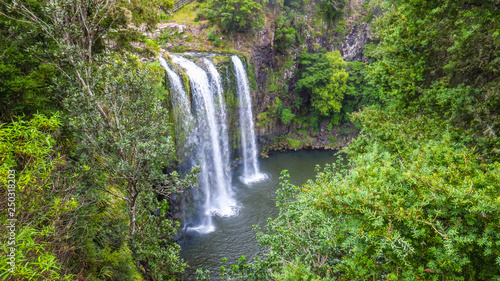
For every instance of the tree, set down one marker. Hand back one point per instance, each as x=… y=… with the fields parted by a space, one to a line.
x=234 y=15
x=323 y=77
x=24 y=80
x=284 y=38
x=120 y=139
x=332 y=9
x=442 y=64
x=131 y=147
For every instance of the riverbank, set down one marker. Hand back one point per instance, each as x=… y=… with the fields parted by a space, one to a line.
x=302 y=137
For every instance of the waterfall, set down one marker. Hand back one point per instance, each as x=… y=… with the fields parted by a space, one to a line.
x=221 y=108
x=201 y=126
x=251 y=170
x=183 y=117
x=210 y=139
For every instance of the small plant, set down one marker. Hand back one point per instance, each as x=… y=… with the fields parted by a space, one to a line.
x=202 y=274
x=179 y=49
x=217 y=42
x=346 y=130
x=336 y=119
x=330 y=127
x=211 y=35
x=294 y=144
x=287 y=115
x=164 y=37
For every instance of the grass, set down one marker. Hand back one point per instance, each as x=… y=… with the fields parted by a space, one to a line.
x=187 y=14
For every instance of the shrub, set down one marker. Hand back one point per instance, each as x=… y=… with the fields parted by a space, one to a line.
x=284 y=38
x=234 y=15
x=323 y=77
x=287 y=115
x=293 y=143
x=211 y=35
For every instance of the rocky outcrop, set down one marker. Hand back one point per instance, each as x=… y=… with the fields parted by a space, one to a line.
x=358 y=34
x=270 y=69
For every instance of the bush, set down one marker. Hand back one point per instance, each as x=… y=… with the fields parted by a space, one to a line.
x=211 y=35
x=284 y=38
x=412 y=204
x=234 y=15
x=287 y=115
x=293 y=143
x=332 y=9
x=323 y=78
x=42 y=210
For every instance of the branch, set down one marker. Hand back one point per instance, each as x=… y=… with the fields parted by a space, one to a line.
x=116 y=195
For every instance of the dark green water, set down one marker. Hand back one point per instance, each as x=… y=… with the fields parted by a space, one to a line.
x=234 y=236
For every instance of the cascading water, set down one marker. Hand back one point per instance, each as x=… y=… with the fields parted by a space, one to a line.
x=211 y=152
x=181 y=107
x=216 y=85
x=251 y=170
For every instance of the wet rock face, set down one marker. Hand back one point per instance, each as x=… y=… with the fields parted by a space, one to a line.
x=263 y=60
x=355 y=41
x=358 y=34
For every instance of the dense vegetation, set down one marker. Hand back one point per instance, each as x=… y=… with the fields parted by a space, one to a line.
x=84 y=125
x=418 y=199
x=87 y=134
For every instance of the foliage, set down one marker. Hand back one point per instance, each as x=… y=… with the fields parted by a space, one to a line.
x=419 y=198
x=42 y=209
x=284 y=38
x=291 y=27
x=332 y=9
x=360 y=93
x=130 y=142
x=443 y=64
x=154 y=245
x=76 y=30
x=294 y=143
x=234 y=15
x=414 y=204
x=202 y=274
x=211 y=35
x=24 y=81
x=287 y=115
x=116 y=135
x=323 y=77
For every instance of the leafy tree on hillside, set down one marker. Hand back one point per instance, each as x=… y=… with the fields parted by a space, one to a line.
x=443 y=63
x=24 y=80
x=323 y=78
x=332 y=9
x=234 y=15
